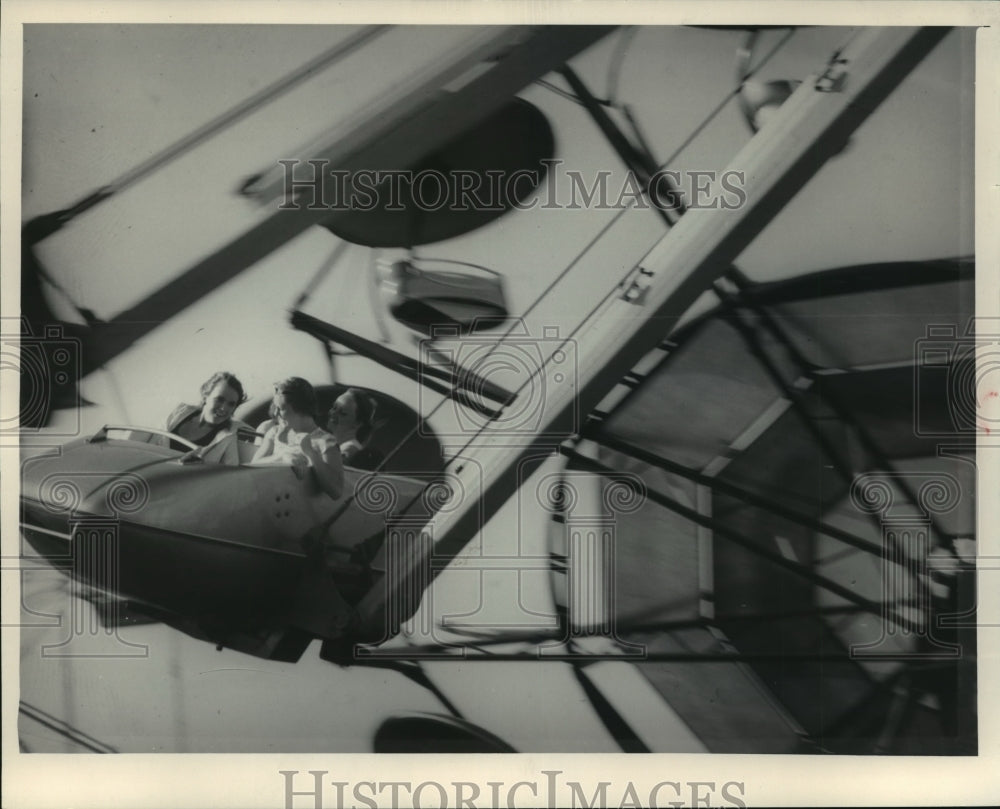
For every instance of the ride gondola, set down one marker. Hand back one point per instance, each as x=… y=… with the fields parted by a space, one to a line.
x=204 y=538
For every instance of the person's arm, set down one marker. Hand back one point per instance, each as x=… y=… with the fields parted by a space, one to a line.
x=266 y=447
x=349 y=450
x=240 y=429
x=328 y=465
x=177 y=415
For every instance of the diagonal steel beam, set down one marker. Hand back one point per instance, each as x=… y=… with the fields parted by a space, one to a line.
x=812 y=126
x=402 y=137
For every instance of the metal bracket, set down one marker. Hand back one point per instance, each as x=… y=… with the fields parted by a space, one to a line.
x=834 y=78
x=637 y=288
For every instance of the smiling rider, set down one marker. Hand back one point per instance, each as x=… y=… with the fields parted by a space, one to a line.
x=221 y=394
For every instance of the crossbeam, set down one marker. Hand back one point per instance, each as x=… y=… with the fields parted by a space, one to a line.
x=812 y=126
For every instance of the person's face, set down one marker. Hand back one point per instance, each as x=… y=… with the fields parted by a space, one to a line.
x=220 y=404
x=343 y=415
x=281 y=409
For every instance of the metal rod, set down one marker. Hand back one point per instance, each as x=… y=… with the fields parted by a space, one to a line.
x=725 y=531
x=640 y=163
x=64 y=729
x=843 y=412
x=613 y=721
x=809 y=128
x=406 y=135
x=228 y=118
x=434 y=654
x=641 y=626
x=738 y=492
x=461 y=380
x=797 y=399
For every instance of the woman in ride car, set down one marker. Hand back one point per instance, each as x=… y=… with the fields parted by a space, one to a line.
x=350 y=421
x=295 y=438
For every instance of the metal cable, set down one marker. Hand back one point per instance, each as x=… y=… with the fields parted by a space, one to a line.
x=563 y=273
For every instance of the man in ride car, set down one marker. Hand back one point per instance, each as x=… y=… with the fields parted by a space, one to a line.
x=221 y=394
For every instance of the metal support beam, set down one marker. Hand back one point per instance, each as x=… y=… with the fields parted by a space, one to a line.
x=875 y=452
x=455 y=383
x=403 y=135
x=637 y=160
x=812 y=126
x=747 y=496
x=726 y=532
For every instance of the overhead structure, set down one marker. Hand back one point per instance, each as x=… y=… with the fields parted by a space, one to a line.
x=638 y=314
x=765 y=618
x=782 y=544
x=470 y=181
x=463 y=88
x=796 y=548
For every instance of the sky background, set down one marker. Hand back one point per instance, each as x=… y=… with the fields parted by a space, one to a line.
x=100 y=99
